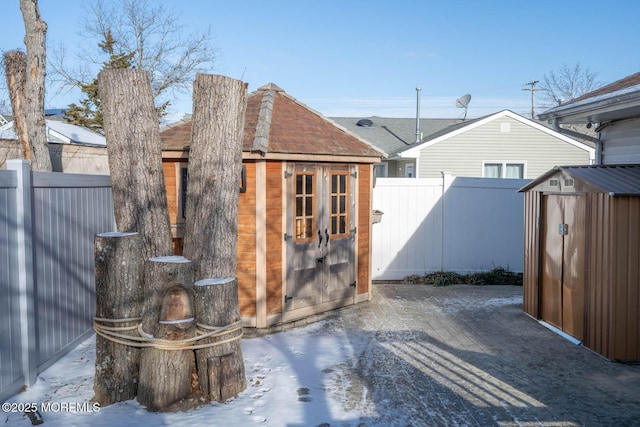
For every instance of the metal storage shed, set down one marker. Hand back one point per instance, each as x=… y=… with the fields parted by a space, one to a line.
x=582 y=255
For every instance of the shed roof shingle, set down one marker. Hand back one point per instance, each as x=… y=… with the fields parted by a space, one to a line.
x=275 y=122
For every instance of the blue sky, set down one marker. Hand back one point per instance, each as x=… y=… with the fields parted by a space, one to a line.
x=364 y=58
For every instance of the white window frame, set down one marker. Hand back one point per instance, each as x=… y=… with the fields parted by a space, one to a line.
x=504 y=164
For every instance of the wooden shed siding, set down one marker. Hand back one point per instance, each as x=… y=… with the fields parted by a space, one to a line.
x=530 y=297
x=246 y=269
x=170 y=182
x=274 y=234
x=463 y=154
x=364 y=228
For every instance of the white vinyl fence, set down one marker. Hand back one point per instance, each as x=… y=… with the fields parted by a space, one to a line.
x=47 y=225
x=450 y=224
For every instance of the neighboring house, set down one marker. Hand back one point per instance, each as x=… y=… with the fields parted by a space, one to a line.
x=305 y=209
x=501 y=145
x=614 y=112
x=393 y=135
x=73 y=149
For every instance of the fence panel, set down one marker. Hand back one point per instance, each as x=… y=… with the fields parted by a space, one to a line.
x=68 y=211
x=47 y=223
x=11 y=372
x=449 y=224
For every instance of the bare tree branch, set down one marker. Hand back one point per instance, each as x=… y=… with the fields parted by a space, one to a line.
x=565 y=84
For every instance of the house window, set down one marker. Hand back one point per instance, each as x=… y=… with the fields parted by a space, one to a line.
x=339 y=213
x=380 y=170
x=305 y=206
x=511 y=170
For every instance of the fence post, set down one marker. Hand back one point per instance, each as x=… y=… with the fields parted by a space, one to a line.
x=26 y=286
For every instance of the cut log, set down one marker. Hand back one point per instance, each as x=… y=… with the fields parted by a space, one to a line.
x=160 y=274
x=211 y=223
x=135 y=158
x=166 y=374
x=119 y=295
x=216 y=304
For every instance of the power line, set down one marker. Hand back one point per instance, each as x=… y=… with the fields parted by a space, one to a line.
x=533 y=90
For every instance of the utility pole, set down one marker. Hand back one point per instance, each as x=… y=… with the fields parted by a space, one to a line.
x=533 y=90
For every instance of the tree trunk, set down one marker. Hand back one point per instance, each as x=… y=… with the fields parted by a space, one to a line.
x=211 y=224
x=35 y=40
x=165 y=375
x=15 y=68
x=135 y=158
x=221 y=367
x=160 y=274
x=215 y=163
x=118 y=276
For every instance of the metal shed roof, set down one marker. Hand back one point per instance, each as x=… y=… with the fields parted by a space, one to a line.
x=617 y=180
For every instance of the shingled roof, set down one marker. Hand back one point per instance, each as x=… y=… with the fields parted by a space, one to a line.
x=275 y=122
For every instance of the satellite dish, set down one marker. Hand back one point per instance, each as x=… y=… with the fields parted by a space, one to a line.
x=463 y=102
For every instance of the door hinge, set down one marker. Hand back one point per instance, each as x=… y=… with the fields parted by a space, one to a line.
x=287 y=298
x=354 y=230
x=287 y=174
x=287 y=237
x=353 y=284
x=354 y=174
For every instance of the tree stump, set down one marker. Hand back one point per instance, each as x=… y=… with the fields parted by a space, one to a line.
x=221 y=367
x=211 y=223
x=160 y=273
x=118 y=277
x=166 y=374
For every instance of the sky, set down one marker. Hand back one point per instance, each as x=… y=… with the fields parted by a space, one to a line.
x=353 y=58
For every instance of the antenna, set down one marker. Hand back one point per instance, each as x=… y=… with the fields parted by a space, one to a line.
x=463 y=102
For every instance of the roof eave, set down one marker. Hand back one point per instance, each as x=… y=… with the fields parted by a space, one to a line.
x=588 y=111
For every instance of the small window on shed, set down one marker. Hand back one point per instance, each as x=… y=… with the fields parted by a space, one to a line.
x=568 y=182
x=554 y=182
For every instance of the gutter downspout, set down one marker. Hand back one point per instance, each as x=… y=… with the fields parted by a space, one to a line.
x=578 y=135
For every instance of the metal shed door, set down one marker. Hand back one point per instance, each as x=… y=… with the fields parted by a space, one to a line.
x=320 y=235
x=562 y=287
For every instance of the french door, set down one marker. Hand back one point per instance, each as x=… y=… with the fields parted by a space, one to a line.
x=320 y=236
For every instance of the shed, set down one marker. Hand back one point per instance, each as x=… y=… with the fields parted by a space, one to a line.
x=582 y=255
x=305 y=214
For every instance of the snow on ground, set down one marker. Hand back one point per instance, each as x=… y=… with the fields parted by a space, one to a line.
x=293 y=380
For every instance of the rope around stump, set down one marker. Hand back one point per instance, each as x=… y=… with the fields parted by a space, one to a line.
x=144 y=340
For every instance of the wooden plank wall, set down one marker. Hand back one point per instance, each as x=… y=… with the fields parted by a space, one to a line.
x=364 y=229
x=246 y=268
x=274 y=234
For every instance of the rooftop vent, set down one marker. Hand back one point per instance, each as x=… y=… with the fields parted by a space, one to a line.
x=365 y=123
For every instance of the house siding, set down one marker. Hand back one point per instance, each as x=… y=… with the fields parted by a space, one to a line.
x=621 y=142
x=463 y=154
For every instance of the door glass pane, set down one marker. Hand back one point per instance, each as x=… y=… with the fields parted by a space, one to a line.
x=514 y=170
x=339 y=199
x=308 y=206
x=304 y=209
x=298 y=206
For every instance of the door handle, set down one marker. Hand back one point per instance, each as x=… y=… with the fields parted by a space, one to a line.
x=319 y=238
x=326 y=233
x=321 y=259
